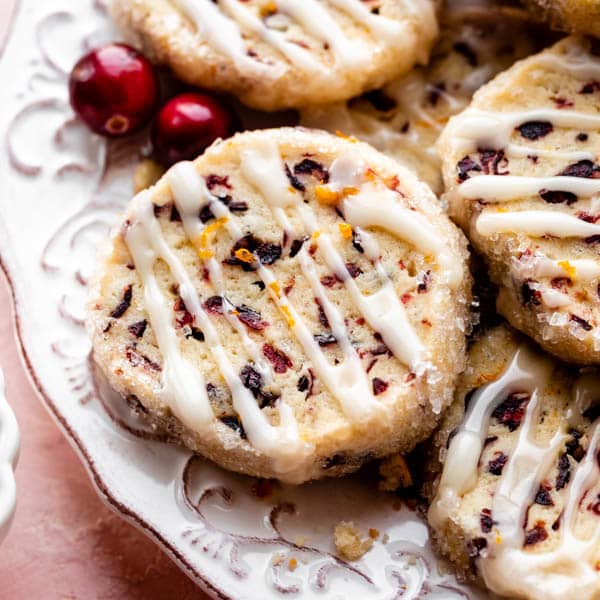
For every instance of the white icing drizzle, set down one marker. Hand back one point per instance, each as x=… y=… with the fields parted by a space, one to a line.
x=224 y=34
x=219 y=32
x=568 y=569
x=536 y=223
x=262 y=165
x=495 y=188
x=183 y=386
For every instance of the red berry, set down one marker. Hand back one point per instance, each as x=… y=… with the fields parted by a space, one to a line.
x=114 y=89
x=189 y=123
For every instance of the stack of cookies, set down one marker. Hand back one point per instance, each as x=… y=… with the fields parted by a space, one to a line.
x=299 y=301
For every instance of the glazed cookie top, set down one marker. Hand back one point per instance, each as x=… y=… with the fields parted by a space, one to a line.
x=308 y=277
x=406 y=116
x=276 y=54
x=520 y=167
x=521 y=476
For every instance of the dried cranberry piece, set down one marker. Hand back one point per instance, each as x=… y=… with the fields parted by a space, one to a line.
x=125 y=303
x=213 y=181
x=214 y=305
x=379 y=386
x=322 y=316
x=294 y=181
x=268 y=253
x=475 y=547
x=356 y=242
x=536 y=535
x=329 y=280
x=585 y=325
x=424 y=281
x=325 y=339
x=297 y=246
x=353 y=269
x=196 y=334
x=590 y=87
x=137 y=359
x=533 y=130
x=529 y=295
x=543 y=496
x=137 y=329
x=485 y=520
x=465 y=166
x=583 y=168
x=312 y=167
x=280 y=361
x=492 y=161
x=558 y=197
x=235 y=424
x=183 y=316
x=303 y=384
x=251 y=318
x=252 y=380
x=574 y=448
x=511 y=412
x=564 y=471
x=496 y=465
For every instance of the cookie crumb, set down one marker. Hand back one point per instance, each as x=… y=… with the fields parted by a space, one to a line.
x=394 y=473
x=292 y=564
x=348 y=541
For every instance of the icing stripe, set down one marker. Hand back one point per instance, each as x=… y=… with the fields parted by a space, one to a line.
x=494 y=188
x=535 y=222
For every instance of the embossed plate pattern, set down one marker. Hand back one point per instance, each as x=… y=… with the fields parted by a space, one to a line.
x=61 y=190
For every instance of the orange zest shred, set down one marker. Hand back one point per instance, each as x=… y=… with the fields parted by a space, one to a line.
x=345 y=230
x=205 y=238
x=316 y=235
x=325 y=195
x=275 y=288
x=288 y=316
x=345 y=136
x=568 y=268
x=244 y=255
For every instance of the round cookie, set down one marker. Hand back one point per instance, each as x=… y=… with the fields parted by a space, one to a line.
x=520 y=167
x=517 y=505
x=576 y=16
x=405 y=117
x=277 y=54
x=290 y=305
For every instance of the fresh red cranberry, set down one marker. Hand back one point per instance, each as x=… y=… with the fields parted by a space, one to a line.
x=114 y=90
x=189 y=123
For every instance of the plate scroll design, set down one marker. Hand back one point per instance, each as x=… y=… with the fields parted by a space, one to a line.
x=60 y=194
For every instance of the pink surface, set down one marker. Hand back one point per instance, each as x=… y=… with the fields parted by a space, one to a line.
x=64 y=543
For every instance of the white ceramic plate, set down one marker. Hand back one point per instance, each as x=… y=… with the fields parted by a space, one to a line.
x=60 y=192
x=9 y=450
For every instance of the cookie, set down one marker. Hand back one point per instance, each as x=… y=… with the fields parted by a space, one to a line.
x=282 y=54
x=404 y=118
x=575 y=16
x=520 y=166
x=290 y=305
x=517 y=505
